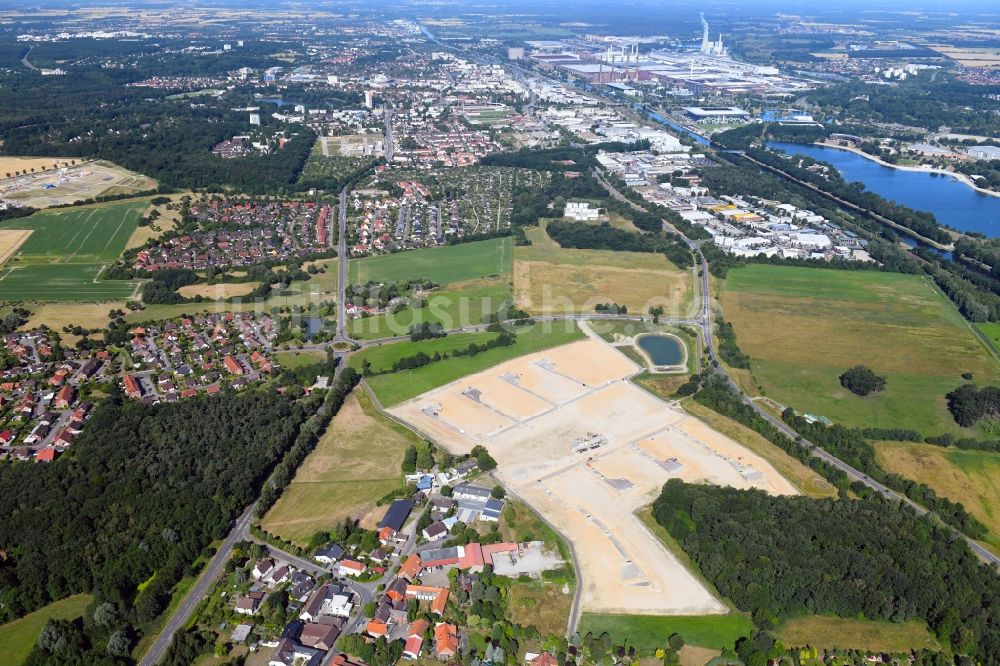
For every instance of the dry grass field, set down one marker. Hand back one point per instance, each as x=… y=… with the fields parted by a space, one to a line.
x=551 y=280
x=857 y=634
x=14 y=164
x=530 y=411
x=356 y=462
x=218 y=291
x=971 y=57
x=969 y=477
x=10 y=240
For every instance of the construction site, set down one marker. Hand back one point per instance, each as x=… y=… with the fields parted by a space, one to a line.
x=71 y=183
x=586 y=448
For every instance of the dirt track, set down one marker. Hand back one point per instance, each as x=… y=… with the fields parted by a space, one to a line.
x=530 y=411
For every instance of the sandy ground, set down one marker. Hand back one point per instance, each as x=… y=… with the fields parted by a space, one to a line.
x=530 y=411
x=70 y=184
x=10 y=240
x=217 y=291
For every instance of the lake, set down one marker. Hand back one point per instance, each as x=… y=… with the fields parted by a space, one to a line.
x=662 y=349
x=951 y=202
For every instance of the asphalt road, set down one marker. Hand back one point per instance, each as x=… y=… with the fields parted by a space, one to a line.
x=200 y=588
x=342 y=261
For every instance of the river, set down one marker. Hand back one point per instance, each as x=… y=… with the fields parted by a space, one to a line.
x=952 y=203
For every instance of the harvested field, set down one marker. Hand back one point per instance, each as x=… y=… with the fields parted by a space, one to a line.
x=218 y=291
x=10 y=240
x=539 y=413
x=12 y=165
x=69 y=184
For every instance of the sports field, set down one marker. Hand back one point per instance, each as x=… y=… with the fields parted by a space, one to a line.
x=459 y=305
x=66 y=251
x=969 y=477
x=18 y=637
x=451 y=263
x=356 y=462
x=803 y=327
x=551 y=280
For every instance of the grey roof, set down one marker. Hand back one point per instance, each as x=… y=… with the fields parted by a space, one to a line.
x=333 y=551
x=469 y=489
x=436 y=554
x=397 y=514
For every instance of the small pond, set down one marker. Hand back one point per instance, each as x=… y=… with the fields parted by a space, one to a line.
x=662 y=349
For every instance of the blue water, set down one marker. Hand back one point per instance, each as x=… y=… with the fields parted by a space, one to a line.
x=952 y=203
x=662 y=349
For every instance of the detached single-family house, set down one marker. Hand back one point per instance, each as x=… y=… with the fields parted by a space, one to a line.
x=351 y=568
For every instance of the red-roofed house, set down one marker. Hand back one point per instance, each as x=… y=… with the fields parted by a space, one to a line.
x=351 y=568
x=415 y=639
x=411 y=568
x=446 y=640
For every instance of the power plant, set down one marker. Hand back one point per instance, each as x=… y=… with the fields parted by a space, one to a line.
x=707 y=46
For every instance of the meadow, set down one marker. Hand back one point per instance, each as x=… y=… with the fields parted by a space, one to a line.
x=67 y=249
x=17 y=638
x=647 y=633
x=458 y=305
x=551 y=280
x=398 y=387
x=969 y=477
x=803 y=327
x=450 y=263
x=382 y=357
x=831 y=632
x=356 y=462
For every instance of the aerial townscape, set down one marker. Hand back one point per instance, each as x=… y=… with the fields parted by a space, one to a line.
x=500 y=333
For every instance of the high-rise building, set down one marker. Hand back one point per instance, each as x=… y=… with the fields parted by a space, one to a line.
x=369 y=99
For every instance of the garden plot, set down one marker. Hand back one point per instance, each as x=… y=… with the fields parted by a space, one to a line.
x=586 y=448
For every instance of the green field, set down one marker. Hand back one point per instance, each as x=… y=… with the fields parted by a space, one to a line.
x=17 y=638
x=803 y=327
x=833 y=632
x=451 y=263
x=382 y=357
x=464 y=304
x=66 y=250
x=356 y=462
x=649 y=632
x=397 y=387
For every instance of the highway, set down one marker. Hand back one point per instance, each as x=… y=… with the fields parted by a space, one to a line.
x=204 y=583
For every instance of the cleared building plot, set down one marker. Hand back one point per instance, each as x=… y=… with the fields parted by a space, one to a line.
x=586 y=448
x=68 y=184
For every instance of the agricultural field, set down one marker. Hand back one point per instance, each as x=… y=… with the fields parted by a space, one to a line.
x=551 y=280
x=835 y=632
x=649 y=632
x=18 y=637
x=803 y=327
x=969 y=477
x=444 y=265
x=394 y=388
x=68 y=183
x=66 y=250
x=460 y=305
x=356 y=462
x=219 y=290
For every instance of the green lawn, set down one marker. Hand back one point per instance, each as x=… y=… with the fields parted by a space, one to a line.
x=649 y=632
x=452 y=263
x=17 y=638
x=397 y=387
x=296 y=359
x=803 y=327
x=66 y=250
x=822 y=631
x=463 y=305
x=383 y=357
